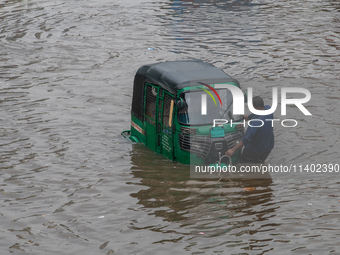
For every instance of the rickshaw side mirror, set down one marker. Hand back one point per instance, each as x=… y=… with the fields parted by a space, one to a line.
x=181 y=105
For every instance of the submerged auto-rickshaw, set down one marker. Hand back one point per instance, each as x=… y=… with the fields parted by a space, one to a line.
x=174 y=105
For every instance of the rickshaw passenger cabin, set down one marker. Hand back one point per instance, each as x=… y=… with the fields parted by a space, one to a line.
x=166 y=111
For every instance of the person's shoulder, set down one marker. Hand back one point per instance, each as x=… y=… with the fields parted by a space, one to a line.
x=267 y=107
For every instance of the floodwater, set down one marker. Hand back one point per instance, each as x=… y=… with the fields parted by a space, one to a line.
x=71 y=184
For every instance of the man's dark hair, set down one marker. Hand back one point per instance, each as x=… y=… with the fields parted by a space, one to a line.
x=258 y=102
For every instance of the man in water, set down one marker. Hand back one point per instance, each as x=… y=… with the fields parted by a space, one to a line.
x=258 y=140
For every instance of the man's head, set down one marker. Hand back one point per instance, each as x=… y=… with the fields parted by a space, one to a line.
x=258 y=103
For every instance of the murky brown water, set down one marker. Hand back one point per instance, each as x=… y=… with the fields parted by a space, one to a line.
x=70 y=184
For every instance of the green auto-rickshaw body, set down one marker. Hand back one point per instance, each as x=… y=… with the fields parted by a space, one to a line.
x=167 y=115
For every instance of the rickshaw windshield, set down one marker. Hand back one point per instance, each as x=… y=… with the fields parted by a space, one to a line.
x=196 y=114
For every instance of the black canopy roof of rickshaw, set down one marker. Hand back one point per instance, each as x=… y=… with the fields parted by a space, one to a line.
x=174 y=76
